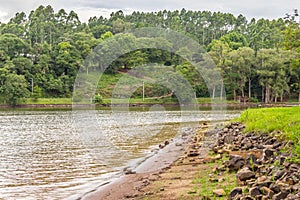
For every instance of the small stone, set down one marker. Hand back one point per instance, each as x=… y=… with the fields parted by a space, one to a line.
x=127 y=196
x=218 y=157
x=237 y=197
x=214 y=180
x=245 y=174
x=261 y=179
x=235 y=192
x=264 y=198
x=250 y=182
x=178 y=144
x=279 y=174
x=128 y=171
x=221 y=180
x=276 y=188
x=221 y=168
x=228 y=139
x=148 y=193
x=193 y=154
x=294 y=167
x=286 y=164
x=266 y=183
x=236 y=162
x=262 y=169
x=280 y=195
x=267 y=192
x=247 y=198
x=219 y=192
x=292 y=197
x=289 y=181
x=282 y=184
x=254 y=191
x=176 y=178
x=277 y=145
x=251 y=159
x=220 y=151
x=296 y=188
x=162 y=189
x=269 y=152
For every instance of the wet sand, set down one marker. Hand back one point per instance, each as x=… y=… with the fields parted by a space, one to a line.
x=130 y=185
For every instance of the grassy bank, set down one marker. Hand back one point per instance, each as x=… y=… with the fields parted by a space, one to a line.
x=282 y=122
x=48 y=101
x=168 y=100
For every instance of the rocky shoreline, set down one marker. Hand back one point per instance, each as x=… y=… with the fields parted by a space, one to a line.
x=262 y=165
x=258 y=167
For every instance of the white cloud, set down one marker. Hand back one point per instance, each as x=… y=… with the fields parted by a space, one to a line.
x=89 y=8
x=85 y=13
x=3 y=16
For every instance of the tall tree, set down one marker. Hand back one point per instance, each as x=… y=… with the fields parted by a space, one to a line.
x=15 y=89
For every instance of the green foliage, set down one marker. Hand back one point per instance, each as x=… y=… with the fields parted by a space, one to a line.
x=258 y=58
x=234 y=40
x=37 y=92
x=98 y=99
x=15 y=89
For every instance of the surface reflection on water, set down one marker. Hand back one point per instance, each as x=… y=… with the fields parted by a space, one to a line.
x=43 y=157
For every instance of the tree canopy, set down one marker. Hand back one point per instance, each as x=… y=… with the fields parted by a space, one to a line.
x=259 y=59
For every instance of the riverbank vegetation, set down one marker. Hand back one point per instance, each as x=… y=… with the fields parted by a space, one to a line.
x=259 y=58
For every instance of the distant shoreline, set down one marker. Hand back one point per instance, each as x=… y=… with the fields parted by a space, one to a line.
x=70 y=106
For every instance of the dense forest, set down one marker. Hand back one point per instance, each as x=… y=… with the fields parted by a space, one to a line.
x=40 y=54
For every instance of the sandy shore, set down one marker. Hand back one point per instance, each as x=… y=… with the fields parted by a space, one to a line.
x=131 y=184
x=216 y=164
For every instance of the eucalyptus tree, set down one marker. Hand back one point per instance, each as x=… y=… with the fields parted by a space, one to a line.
x=219 y=52
x=242 y=63
x=292 y=42
x=272 y=73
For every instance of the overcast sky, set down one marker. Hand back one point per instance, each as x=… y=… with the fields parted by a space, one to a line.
x=88 y=8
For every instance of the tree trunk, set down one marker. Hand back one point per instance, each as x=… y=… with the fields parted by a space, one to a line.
x=262 y=94
x=221 y=92
x=281 y=98
x=243 y=94
x=214 y=90
x=249 y=88
x=267 y=95
x=234 y=94
x=299 y=97
x=275 y=99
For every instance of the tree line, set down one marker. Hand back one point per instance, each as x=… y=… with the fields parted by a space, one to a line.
x=40 y=54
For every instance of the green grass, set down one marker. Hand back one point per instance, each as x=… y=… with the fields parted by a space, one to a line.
x=284 y=123
x=167 y=100
x=141 y=101
x=204 y=187
x=208 y=100
x=49 y=101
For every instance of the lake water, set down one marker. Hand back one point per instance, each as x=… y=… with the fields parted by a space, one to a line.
x=44 y=156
